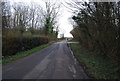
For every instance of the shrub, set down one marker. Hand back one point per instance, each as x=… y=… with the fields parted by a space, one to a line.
x=13 y=45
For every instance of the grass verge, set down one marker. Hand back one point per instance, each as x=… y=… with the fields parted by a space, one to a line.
x=96 y=65
x=24 y=53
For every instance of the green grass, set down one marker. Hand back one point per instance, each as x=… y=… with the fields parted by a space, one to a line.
x=96 y=65
x=23 y=54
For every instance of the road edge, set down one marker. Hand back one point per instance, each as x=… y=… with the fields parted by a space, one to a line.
x=80 y=63
x=14 y=59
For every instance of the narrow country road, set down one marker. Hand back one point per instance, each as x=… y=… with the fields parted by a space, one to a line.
x=53 y=62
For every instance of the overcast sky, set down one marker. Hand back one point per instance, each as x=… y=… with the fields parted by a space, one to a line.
x=64 y=24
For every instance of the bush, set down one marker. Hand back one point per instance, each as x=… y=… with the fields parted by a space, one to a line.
x=13 y=45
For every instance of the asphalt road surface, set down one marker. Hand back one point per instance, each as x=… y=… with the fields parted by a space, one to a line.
x=53 y=62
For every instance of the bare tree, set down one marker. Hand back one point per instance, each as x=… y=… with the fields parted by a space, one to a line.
x=51 y=15
x=98 y=25
x=6 y=14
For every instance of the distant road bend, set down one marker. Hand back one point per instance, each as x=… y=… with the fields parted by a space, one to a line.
x=53 y=62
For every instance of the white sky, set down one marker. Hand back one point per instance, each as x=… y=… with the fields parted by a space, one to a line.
x=64 y=24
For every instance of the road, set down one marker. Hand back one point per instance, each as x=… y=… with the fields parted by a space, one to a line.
x=53 y=62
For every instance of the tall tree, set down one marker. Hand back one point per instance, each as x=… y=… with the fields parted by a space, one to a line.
x=51 y=14
x=98 y=26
